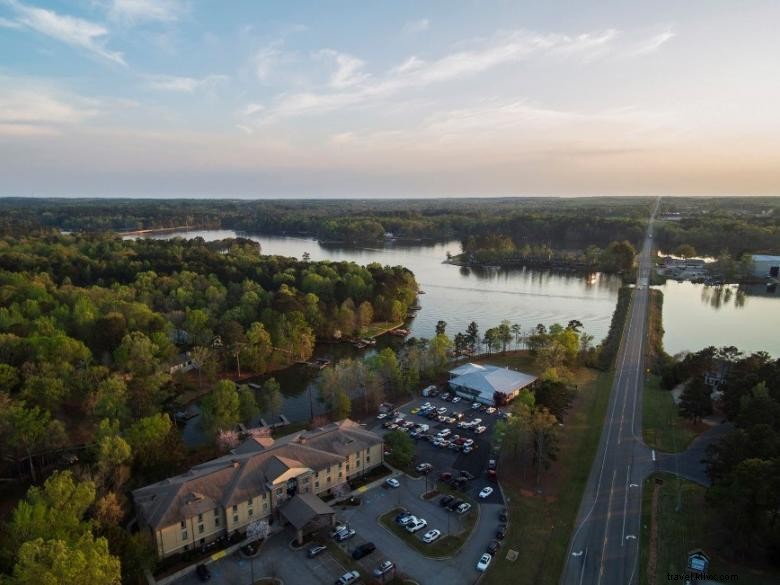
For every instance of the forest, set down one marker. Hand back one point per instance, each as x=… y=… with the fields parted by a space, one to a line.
x=744 y=466
x=91 y=329
x=710 y=225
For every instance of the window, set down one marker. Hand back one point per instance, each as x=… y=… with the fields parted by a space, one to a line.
x=184 y=535
x=183 y=524
x=251 y=512
x=347 y=469
x=341 y=475
x=249 y=502
x=201 y=529
x=265 y=506
x=279 y=491
x=216 y=512
x=235 y=518
x=368 y=459
x=340 y=464
x=216 y=520
x=235 y=509
x=328 y=480
x=316 y=484
x=200 y=517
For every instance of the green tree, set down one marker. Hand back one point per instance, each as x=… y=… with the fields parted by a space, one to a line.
x=401 y=448
x=696 y=400
x=271 y=401
x=685 y=251
x=9 y=378
x=441 y=327
x=87 y=560
x=30 y=429
x=148 y=438
x=221 y=408
x=247 y=404
x=544 y=431
x=110 y=399
x=341 y=405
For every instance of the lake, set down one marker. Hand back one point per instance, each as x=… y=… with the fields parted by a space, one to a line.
x=453 y=294
x=696 y=316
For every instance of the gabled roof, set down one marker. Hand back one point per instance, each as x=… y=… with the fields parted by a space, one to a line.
x=303 y=508
x=487 y=379
x=249 y=472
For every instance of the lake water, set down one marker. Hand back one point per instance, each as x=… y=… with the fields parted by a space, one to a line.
x=453 y=294
x=696 y=316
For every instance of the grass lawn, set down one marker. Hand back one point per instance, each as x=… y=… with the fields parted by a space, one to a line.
x=662 y=426
x=540 y=525
x=682 y=527
x=378 y=328
x=445 y=547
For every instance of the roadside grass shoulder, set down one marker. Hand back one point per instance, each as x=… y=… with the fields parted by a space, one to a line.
x=682 y=526
x=662 y=426
x=540 y=525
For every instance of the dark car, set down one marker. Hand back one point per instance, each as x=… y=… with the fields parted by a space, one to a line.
x=444 y=500
x=493 y=547
x=203 y=573
x=502 y=515
x=363 y=550
x=501 y=532
x=345 y=535
x=401 y=517
x=454 y=504
x=446 y=476
x=466 y=475
x=315 y=550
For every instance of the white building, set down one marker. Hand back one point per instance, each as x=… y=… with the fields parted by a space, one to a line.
x=488 y=384
x=765 y=265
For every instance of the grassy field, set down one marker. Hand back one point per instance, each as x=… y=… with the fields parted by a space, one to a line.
x=662 y=426
x=540 y=525
x=682 y=527
x=444 y=547
x=519 y=360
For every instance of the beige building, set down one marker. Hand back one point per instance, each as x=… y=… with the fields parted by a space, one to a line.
x=254 y=482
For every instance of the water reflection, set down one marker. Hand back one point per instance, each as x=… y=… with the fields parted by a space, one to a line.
x=696 y=316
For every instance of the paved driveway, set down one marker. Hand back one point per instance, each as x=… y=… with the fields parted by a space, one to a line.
x=455 y=571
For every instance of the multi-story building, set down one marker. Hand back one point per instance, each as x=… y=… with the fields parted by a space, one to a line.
x=254 y=482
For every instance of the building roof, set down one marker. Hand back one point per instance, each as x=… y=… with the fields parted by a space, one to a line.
x=487 y=379
x=303 y=508
x=765 y=258
x=250 y=470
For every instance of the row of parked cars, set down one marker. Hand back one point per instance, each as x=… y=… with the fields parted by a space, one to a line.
x=341 y=533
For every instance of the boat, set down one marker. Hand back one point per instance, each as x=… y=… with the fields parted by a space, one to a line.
x=420 y=292
x=415 y=308
x=399 y=332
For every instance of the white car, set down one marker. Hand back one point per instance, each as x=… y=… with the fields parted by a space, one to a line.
x=468 y=442
x=393 y=482
x=426 y=405
x=417 y=525
x=381 y=415
x=483 y=562
x=485 y=492
x=431 y=535
x=424 y=467
x=476 y=406
x=455 y=399
x=444 y=433
x=347 y=578
x=480 y=430
x=490 y=410
x=463 y=508
x=476 y=422
x=466 y=449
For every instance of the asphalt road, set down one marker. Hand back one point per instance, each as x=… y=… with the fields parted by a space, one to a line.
x=604 y=548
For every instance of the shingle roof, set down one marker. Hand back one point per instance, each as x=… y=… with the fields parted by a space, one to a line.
x=303 y=508
x=245 y=473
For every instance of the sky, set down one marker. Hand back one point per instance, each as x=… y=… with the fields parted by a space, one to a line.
x=162 y=98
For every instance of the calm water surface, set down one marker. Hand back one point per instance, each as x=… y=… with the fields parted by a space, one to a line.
x=453 y=294
x=696 y=316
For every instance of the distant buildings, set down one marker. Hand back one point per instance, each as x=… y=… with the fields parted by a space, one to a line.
x=488 y=384
x=261 y=479
x=765 y=265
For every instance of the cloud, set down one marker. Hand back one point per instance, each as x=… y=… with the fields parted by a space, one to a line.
x=183 y=84
x=653 y=43
x=354 y=87
x=265 y=61
x=40 y=110
x=135 y=11
x=5 y=23
x=348 y=69
x=416 y=26
x=70 y=30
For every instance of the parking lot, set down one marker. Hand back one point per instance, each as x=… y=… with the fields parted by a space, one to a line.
x=294 y=568
x=448 y=460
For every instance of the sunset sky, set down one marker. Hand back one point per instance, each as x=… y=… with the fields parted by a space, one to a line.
x=389 y=99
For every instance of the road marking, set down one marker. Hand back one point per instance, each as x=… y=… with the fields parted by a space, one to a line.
x=630 y=536
x=625 y=504
x=653 y=454
x=606 y=525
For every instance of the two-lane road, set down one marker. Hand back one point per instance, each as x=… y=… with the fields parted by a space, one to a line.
x=604 y=548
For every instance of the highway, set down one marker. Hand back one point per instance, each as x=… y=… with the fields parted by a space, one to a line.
x=604 y=547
